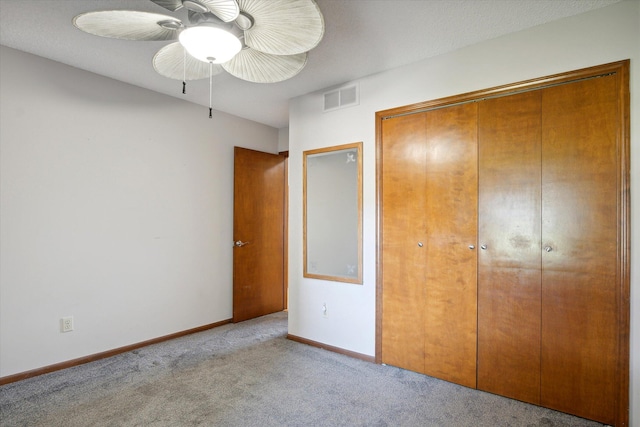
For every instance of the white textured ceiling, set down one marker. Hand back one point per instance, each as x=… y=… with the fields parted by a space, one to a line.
x=362 y=37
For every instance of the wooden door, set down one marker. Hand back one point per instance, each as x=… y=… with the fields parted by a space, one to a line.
x=428 y=221
x=403 y=233
x=509 y=221
x=580 y=304
x=450 y=322
x=258 y=233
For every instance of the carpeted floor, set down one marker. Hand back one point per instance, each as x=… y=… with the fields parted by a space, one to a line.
x=248 y=374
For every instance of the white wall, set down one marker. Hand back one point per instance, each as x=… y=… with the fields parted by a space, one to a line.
x=283 y=139
x=598 y=37
x=116 y=208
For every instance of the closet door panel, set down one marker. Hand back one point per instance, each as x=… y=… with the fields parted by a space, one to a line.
x=451 y=226
x=509 y=276
x=580 y=220
x=403 y=226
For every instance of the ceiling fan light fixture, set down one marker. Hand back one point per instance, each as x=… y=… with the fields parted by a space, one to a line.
x=210 y=44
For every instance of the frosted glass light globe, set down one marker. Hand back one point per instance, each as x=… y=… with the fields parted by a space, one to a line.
x=210 y=44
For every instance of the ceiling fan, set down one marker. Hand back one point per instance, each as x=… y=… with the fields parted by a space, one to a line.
x=261 y=41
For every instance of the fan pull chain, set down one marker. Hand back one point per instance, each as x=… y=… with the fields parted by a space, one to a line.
x=210 y=87
x=184 y=72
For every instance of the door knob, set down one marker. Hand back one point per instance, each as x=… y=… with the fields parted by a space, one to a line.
x=240 y=243
x=483 y=247
x=472 y=247
x=548 y=248
x=419 y=244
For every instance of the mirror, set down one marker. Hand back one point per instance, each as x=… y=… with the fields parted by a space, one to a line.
x=332 y=194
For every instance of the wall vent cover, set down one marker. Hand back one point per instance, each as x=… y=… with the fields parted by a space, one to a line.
x=341 y=98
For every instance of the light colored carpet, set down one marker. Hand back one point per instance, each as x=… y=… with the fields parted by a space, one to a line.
x=248 y=374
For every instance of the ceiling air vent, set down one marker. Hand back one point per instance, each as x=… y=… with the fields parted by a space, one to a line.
x=341 y=98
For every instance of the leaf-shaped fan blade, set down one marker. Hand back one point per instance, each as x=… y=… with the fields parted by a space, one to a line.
x=259 y=67
x=171 y=5
x=283 y=27
x=129 y=25
x=170 y=62
x=226 y=10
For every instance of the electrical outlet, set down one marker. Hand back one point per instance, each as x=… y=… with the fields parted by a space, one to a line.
x=325 y=313
x=66 y=324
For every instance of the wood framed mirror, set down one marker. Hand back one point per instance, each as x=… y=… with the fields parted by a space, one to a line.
x=332 y=197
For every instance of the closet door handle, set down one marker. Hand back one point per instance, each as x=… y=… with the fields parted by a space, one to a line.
x=483 y=247
x=548 y=248
x=419 y=244
x=472 y=247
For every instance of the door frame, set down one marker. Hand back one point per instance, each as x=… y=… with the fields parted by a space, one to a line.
x=620 y=68
x=285 y=277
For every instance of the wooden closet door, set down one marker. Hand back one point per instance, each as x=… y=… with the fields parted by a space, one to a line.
x=403 y=230
x=451 y=227
x=509 y=276
x=428 y=221
x=579 y=229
